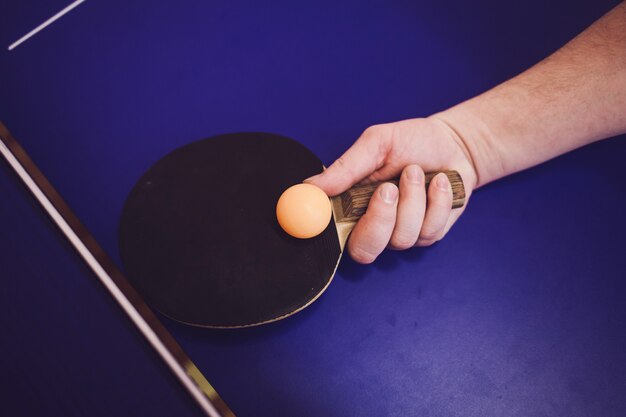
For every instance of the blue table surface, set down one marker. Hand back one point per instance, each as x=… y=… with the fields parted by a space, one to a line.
x=520 y=311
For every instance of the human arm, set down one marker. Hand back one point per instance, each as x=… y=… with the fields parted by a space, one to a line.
x=574 y=97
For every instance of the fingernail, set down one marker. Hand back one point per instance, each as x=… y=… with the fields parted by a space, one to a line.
x=389 y=193
x=442 y=182
x=313 y=178
x=413 y=174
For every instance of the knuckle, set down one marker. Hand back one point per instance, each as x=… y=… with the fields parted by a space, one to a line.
x=378 y=138
x=425 y=242
x=343 y=165
x=428 y=237
x=341 y=162
x=377 y=131
x=401 y=241
x=373 y=130
x=361 y=255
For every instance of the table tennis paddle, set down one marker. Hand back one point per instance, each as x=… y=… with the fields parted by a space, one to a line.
x=200 y=241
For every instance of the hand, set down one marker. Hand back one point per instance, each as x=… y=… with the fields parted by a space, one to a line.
x=572 y=98
x=408 y=216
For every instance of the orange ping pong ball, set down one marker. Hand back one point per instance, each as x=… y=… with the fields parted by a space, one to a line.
x=303 y=211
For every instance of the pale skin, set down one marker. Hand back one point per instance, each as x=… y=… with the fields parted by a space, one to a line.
x=574 y=97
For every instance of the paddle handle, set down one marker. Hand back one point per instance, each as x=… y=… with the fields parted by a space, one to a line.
x=351 y=205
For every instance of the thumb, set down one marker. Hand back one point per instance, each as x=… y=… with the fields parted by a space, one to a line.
x=364 y=157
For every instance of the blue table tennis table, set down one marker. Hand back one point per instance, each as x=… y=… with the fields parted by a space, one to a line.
x=519 y=311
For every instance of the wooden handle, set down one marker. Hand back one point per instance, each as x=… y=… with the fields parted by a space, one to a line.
x=351 y=205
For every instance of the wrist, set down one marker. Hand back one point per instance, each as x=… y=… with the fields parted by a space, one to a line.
x=476 y=139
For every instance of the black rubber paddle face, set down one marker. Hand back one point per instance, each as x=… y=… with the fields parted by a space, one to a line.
x=199 y=238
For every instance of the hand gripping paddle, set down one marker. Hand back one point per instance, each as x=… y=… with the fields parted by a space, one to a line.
x=200 y=241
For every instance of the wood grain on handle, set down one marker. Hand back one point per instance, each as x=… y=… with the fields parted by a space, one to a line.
x=351 y=205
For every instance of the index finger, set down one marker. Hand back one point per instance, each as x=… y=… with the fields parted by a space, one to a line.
x=364 y=157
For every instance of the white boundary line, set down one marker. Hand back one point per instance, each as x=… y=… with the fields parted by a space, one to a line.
x=126 y=305
x=44 y=24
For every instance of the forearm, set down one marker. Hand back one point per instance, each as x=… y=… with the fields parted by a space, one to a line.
x=574 y=97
